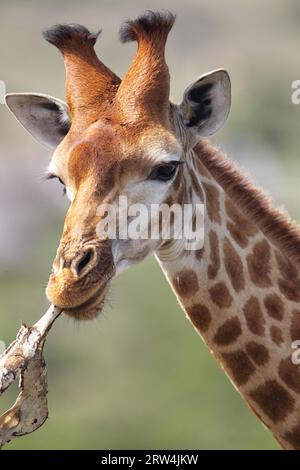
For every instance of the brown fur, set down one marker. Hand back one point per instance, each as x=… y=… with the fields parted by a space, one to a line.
x=200 y=317
x=293 y=436
x=287 y=270
x=276 y=335
x=90 y=85
x=290 y=289
x=214 y=265
x=274 y=306
x=295 y=326
x=228 y=332
x=220 y=295
x=239 y=366
x=274 y=400
x=233 y=266
x=259 y=264
x=258 y=353
x=254 y=316
x=186 y=283
x=144 y=91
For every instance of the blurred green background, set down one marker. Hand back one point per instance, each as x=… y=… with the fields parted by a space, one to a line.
x=139 y=376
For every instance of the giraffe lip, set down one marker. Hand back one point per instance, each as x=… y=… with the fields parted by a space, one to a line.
x=90 y=307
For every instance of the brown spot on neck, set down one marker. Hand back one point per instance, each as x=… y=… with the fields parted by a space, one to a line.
x=276 y=335
x=274 y=400
x=254 y=316
x=200 y=317
x=214 y=265
x=228 y=332
x=258 y=353
x=233 y=266
x=274 y=306
x=259 y=265
x=186 y=283
x=239 y=366
x=220 y=295
x=295 y=325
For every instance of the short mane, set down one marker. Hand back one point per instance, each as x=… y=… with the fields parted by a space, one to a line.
x=70 y=36
x=273 y=222
x=150 y=25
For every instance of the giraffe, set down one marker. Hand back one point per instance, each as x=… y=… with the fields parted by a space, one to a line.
x=241 y=290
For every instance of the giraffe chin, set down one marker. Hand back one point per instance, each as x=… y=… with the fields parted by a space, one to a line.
x=91 y=308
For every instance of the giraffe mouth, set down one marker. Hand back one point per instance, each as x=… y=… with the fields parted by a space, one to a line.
x=91 y=308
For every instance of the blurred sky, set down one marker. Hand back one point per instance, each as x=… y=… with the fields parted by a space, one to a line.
x=139 y=376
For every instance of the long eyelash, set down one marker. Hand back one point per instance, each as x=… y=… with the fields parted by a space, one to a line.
x=51 y=176
x=173 y=162
x=177 y=162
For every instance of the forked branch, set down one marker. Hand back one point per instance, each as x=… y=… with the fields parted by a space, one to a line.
x=24 y=358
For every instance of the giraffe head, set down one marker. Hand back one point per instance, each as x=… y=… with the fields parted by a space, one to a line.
x=115 y=138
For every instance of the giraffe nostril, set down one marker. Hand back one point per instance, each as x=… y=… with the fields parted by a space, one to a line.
x=84 y=261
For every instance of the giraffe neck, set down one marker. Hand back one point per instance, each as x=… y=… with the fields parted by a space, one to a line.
x=243 y=296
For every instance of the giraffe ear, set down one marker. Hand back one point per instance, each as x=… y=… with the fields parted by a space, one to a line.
x=46 y=118
x=206 y=103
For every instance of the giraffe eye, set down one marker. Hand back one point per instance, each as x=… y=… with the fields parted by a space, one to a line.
x=164 y=172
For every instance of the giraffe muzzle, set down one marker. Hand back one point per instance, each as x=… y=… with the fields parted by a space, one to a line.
x=78 y=282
